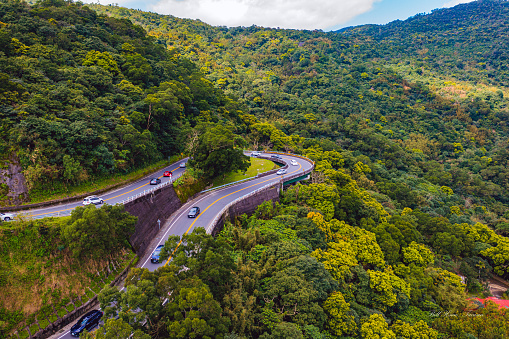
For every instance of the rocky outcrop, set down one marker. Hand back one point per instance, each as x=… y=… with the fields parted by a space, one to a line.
x=13 y=188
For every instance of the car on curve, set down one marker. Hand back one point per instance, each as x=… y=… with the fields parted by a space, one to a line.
x=255 y=154
x=193 y=212
x=281 y=171
x=294 y=163
x=87 y=322
x=94 y=200
x=155 y=255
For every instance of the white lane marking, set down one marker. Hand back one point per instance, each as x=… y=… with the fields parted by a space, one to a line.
x=173 y=224
x=63 y=335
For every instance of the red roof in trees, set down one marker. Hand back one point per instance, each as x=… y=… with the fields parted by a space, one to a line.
x=502 y=303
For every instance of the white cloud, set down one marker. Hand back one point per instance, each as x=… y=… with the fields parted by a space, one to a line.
x=453 y=3
x=297 y=14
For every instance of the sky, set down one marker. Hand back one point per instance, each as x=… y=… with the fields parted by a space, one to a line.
x=295 y=14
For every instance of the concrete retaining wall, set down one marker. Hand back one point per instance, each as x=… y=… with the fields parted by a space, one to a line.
x=159 y=204
x=247 y=205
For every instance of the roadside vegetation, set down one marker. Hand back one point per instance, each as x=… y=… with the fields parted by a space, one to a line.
x=257 y=166
x=104 y=183
x=52 y=265
x=328 y=261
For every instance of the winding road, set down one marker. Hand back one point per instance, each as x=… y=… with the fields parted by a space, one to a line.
x=130 y=191
x=210 y=203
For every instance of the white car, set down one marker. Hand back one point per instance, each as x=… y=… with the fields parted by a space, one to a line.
x=294 y=163
x=92 y=200
x=281 y=171
x=6 y=216
x=182 y=165
x=255 y=154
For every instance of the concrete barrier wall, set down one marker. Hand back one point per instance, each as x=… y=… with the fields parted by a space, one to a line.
x=159 y=204
x=246 y=204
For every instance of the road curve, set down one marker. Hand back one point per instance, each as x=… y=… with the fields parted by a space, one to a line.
x=211 y=204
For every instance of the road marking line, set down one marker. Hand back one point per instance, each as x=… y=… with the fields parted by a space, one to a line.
x=224 y=196
x=69 y=209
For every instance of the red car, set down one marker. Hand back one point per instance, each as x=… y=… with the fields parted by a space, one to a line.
x=167 y=174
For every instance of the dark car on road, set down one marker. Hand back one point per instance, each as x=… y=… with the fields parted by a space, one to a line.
x=155 y=181
x=275 y=156
x=87 y=322
x=193 y=212
x=155 y=255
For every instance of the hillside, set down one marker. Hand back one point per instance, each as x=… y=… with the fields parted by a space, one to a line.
x=85 y=96
x=401 y=103
x=404 y=218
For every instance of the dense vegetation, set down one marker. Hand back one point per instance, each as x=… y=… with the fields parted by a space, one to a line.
x=407 y=123
x=47 y=264
x=418 y=101
x=84 y=96
x=297 y=269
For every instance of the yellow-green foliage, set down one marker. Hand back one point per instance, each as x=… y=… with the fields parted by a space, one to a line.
x=376 y=328
x=337 y=259
x=420 y=330
x=361 y=242
x=322 y=197
x=418 y=254
x=384 y=284
x=340 y=321
x=103 y=60
x=500 y=255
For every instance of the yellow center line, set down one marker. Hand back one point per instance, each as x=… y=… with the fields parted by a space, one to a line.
x=195 y=220
x=68 y=209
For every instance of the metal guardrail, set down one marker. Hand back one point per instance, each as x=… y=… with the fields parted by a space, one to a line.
x=226 y=185
x=284 y=178
x=145 y=192
x=214 y=222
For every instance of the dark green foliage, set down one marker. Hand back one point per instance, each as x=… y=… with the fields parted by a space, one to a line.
x=84 y=96
x=98 y=232
x=216 y=153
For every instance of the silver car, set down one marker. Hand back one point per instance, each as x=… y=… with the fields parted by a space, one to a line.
x=92 y=200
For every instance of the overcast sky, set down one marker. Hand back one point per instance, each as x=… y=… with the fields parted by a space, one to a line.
x=298 y=14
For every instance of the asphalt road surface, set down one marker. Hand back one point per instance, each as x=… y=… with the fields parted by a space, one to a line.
x=210 y=204
x=112 y=197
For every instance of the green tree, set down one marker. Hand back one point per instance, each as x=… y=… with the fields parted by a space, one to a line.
x=376 y=328
x=98 y=232
x=340 y=320
x=216 y=153
x=116 y=329
x=193 y=312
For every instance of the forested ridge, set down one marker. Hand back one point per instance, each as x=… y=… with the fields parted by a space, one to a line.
x=404 y=218
x=85 y=96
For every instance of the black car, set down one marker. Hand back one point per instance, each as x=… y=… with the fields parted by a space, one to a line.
x=275 y=156
x=155 y=181
x=155 y=256
x=87 y=322
x=193 y=212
